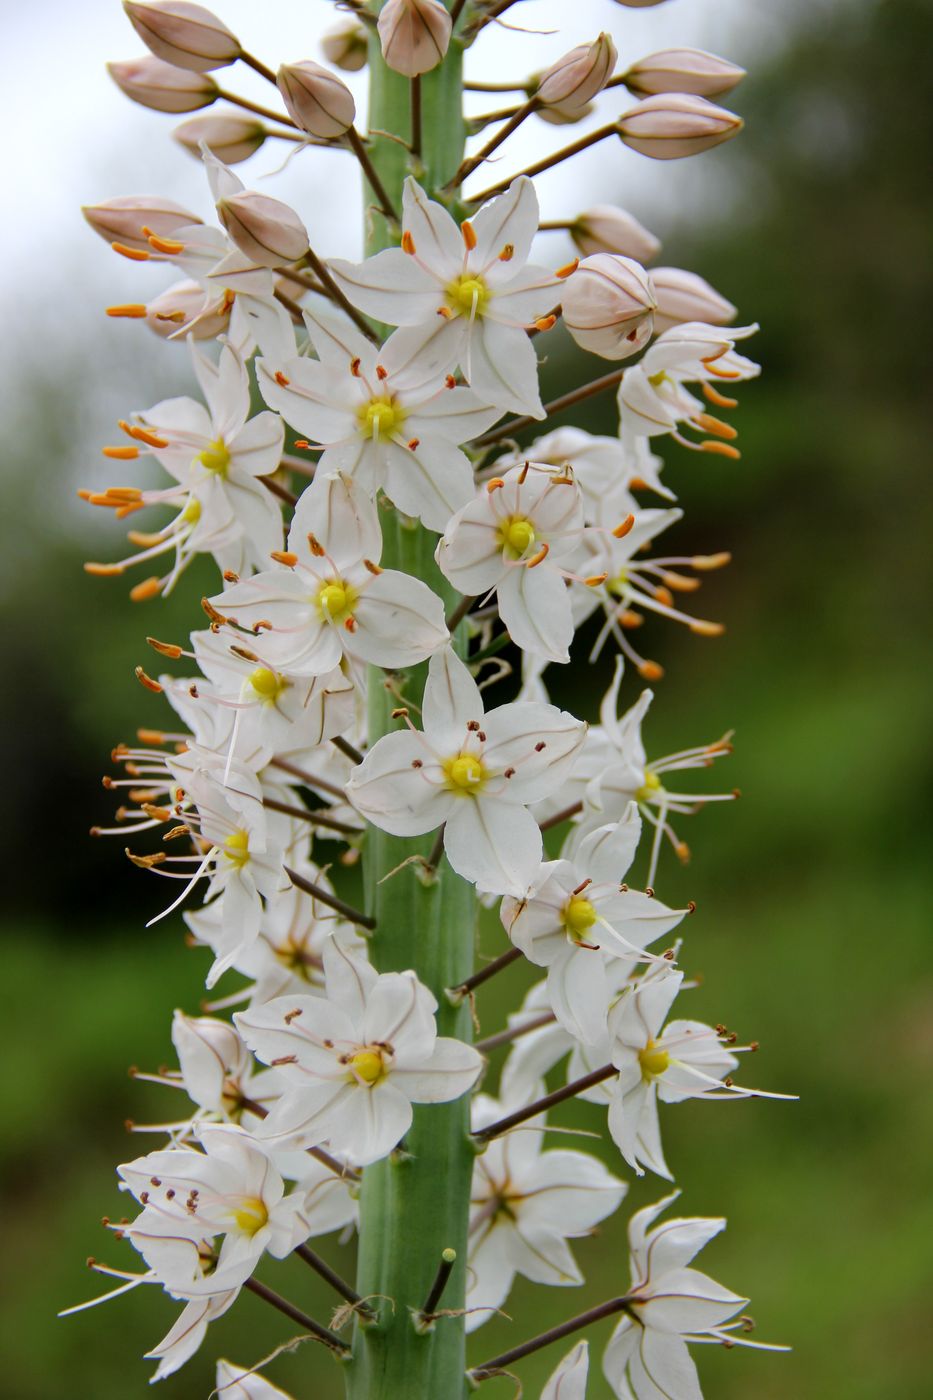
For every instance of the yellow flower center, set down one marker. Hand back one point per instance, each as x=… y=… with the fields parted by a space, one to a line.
x=464 y=773
x=579 y=916
x=516 y=535
x=336 y=600
x=649 y=788
x=381 y=418
x=236 y=848
x=368 y=1065
x=267 y=685
x=618 y=584
x=468 y=295
x=250 y=1215
x=192 y=512
x=656 y=380
x=216 y=457
x=653 y=1060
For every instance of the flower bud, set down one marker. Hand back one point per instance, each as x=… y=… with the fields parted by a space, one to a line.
x=683 y=296
x=345 y=46
x=267 y=231
x=123 y=219
x=184 y=34
x=183 y=309
x=576 y=78
x=231 y=137
x=563 y=116
x=606 y=229
x=162 y=86
x=670 y=125
x=608 y=305
x=414 y=35
x=316 y=100
x=684 y=70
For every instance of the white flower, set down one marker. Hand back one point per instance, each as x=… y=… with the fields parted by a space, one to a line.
x=518 y=537
x=604 y=468
x=334 y=599
x=385 y=416
x=189 y=1198
x=653 y=397
x=475 y=772
x=236 y=1383
x=525 y=1205
x=353 y=1064
x=568 y=1382
x=576 y=915
x=185 y=1336
x=669 y=1305
x=217 y=1070
x=468 y=294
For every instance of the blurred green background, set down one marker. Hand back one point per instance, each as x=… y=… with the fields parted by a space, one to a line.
x=813 y=928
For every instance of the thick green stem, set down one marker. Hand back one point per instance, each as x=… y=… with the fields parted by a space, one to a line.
x=415 y=1204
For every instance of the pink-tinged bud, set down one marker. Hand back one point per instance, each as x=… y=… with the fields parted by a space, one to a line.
x=414 y=35
x=231 y=138
x=639 y=4
x=346 y=46
x=184 y=34
x=162 y=86
x=183 y=310
x=265 y=230
x=608 y=306
x=675 y=124
x=564 y=116
x=575 y=79
x=606 y=229
x=683 y=296
x=684 y=70
x=123 y=219
x=316 y=99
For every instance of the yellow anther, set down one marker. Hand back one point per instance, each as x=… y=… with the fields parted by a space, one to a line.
x=381 y=418
x=267 y=685
x=468 y=295
x=656 y=380
x=336 y=600
x=216 y=457
x=653 y=1060
x=250 y=1215
x=579 y=916
x=368 y=1065
x=649 y=788
x=464 y=773
x=517 y=535
x=236 y=848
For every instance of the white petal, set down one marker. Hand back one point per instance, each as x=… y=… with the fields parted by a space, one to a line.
x=395 y=796
x=399 y=621
x=438 y=241
x=568 y=1382
x=504 y=367
x=535 y=607
x=391 y=287
x=495 y=846
x=511 y=219
x=606 y=853
x=452 y=1069
x=318 y=400
x=451 y=701
x=579 y=992
x=430 y=481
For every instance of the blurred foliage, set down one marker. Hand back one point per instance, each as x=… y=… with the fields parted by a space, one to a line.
x=813 y=927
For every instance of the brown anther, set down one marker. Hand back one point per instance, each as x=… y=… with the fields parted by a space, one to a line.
x=144 y=1198
x=175 y=833
x=135 y=310
x=315 y=546
x=208 y=607
x=157 y=813
x=526 y=468
x=284 y=556
x=146 y=862
x=720 y=449
x=581 y=887
x=540 y=746
x=400 y=713
x=169 y=649
x=147 y=681
x=355 y=367
x=481 y=736
x=622 y=529
x=165 y=245
x=450 y=381
x=538 y=558
x=728 y=1081
x=230 y=576
x=568 y=269
x=170 y=1194
x=414 y=444
x=142 y=592
x=381 y=372
x=134 y=254
x=691 y=906
x=706 y=629
x=716 y=426
x=509 y=773
x=281 y=379
x=469 y=235
x=649 y=892
x=754 y=1045
x=494 y=484
x=445 y=311
x=714 y=396
x=650 y=671
x=736 y=792
x=417 y=763
x=507 y=253
x=408 y=244
x=245 y=654
x=473 y=725
x=120 y=453
x=545 y=323
x=284 y=1060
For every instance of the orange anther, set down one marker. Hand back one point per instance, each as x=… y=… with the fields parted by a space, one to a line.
x=719 y=372
x=282 y=379
x=624 y=527
x=129 y=509
x=721 y=449
x=546 y=323
x=381 y=372
x=121 y=453
x=451 y=381
x=124 y=494
x=350 y=624
x=507 y=253
x=150 y=736
x=664 y=595
x=149 y=588
x=720 y=400
x=414 y=444
x=315 y=546
x=650 y=671
x=629 y=619
x=494 y=484
x=681 y=583
x=104 y=570
x=408 y=244
x=469 y=234
x=302 y=443
x=136 y=310
x=145 y=435
x=568 y=269
x=165 y=245
x=373 y=568
x=134 y=254
x=595 y=580
x=355 y=367
x=538 y=558
x=716 y=426
x=706 y=629
x=143 y=539
x=169 y=649
x=284 y=556
x=149 y=684
x=711 y=561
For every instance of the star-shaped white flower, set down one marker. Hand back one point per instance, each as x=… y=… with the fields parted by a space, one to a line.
x=577 y=915
x=524 y=1206
x=238 y=1383
x=475 y=772
x=520 y=536
x=331 y=598
x=354 y=1063
x=468 y=294
x=568 y=1381
x=385 y=416
x=653 y=397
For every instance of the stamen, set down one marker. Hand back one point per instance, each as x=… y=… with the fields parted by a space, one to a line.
x=135 y=310
x=134 y=254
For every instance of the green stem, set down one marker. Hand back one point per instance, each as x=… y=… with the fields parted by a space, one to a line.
x=415 y=1204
